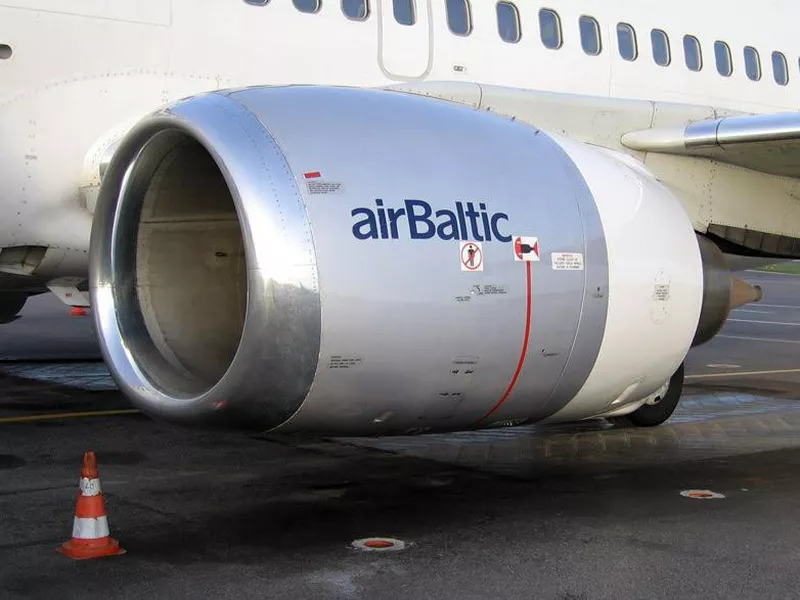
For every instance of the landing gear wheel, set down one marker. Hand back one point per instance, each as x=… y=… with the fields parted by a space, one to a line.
x=650 y=415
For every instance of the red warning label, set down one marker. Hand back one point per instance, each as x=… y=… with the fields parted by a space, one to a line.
x=526 y=249
x=471 y=254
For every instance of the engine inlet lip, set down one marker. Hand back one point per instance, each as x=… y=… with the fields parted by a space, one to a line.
x=267 y=379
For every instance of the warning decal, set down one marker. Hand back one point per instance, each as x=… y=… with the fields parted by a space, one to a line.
x=526 y=249
x=488 y=289
x=471 y=255
x=567 y=261
x=315 y=184
x=344 y=362
x=321 y=186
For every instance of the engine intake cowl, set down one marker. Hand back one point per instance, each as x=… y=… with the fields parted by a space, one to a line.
x=203 y=273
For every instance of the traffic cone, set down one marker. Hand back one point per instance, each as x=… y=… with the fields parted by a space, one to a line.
x=90 y=538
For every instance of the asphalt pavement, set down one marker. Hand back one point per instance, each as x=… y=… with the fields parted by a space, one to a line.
x=759 y=347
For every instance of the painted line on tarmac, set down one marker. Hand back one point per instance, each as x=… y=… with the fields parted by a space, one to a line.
x=72 y=415
x=765 y=322
x=758 y=339
x=760 y=312
x=772 y=273
x=741 y=373
x=790 y=280
x=794 y=306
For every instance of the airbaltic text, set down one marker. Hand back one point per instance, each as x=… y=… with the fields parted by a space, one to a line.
x=464 y=223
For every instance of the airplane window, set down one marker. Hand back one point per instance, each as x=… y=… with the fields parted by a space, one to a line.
x=404 y=12
x=5 y=51
x=458 y=17
x=590 y=35
x=752 y=63
x=257 y=2
x=307 y=6
x=550 y=28
x=780 y=70
x=692 y=53
x=660 y=43
x=508 y=22
x=626 y=40
x=724 y=61
x=358 y=10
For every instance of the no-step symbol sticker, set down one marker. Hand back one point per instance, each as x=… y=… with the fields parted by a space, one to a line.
x=526 y=249
x=471 y=256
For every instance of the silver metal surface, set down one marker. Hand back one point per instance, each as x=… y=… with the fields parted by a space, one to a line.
x=776 y=127
x=410 y=341
x=350 y=333
x=702 y=134
x=272 y=367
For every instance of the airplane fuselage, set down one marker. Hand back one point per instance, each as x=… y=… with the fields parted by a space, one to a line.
x=79 y=76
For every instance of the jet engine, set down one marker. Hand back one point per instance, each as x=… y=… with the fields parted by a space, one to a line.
x=354 y=261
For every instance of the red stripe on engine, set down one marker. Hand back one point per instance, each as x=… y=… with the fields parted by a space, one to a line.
x=522 y=354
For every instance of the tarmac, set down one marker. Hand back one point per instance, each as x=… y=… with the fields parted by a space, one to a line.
x=567 y=512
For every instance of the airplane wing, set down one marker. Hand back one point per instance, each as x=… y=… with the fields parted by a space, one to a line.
x=768 y=143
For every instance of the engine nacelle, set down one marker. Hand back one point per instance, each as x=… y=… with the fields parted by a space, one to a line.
x=351 y=261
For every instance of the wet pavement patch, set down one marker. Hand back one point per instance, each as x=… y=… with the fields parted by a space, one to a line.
x=123 y=458
x=343 y=485
x=7 y=461
x=93 y=376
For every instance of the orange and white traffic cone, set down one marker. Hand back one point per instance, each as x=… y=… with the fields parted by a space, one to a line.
x=90 y=537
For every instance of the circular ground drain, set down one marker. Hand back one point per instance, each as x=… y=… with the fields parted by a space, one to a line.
x=378 y=544
x=701 y=494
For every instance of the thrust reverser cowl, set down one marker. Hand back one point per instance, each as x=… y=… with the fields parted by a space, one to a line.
x=343 y=261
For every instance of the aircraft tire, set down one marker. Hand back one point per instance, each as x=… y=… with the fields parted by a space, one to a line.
x=651 y=415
